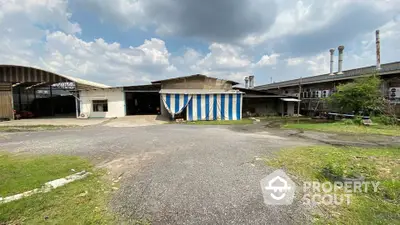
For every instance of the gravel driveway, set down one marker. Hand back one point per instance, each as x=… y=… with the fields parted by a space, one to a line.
x=177 y=174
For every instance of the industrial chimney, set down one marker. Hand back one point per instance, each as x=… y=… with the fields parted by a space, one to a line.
x=378 y=50
x=251 y=81
x=246 y=82
x=332 y=51
x=340 y=66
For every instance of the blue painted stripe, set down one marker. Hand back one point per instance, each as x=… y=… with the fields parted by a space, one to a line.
x=215 y=107
x=168 y=100
x=185 y=99
x=198 y=107
x=222 y=106
x=230 y=107
x=190 y=111
x=177 y=103
x=207 y=99
x=238 y=102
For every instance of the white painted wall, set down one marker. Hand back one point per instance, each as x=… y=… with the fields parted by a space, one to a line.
x=114 y=96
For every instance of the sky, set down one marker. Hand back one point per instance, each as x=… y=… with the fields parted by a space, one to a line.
x=132 y=42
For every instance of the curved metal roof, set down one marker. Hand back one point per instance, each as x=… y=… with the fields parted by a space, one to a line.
x=22 y=74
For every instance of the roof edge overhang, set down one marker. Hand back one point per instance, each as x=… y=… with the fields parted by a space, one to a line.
x=52 y=77
x=195 y=75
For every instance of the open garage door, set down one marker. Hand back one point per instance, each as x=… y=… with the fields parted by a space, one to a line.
x=34 y=92
x=142 y=103
x=142 y=100
x=47 y=101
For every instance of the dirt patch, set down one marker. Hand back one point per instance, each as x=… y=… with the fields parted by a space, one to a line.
x=132 y=163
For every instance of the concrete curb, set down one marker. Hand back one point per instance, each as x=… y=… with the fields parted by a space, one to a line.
x=47 y=187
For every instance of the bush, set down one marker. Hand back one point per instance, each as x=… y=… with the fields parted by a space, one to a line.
x=358 y=121
x=348 y=122
x=387 y=120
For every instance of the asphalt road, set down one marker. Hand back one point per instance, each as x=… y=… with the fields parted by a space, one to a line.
x=178 y=174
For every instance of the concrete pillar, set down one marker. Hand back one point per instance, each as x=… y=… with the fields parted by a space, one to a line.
x=290 y=108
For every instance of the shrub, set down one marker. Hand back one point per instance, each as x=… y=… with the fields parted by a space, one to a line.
x=358 y=121
x=388 y=120
x=348 y=122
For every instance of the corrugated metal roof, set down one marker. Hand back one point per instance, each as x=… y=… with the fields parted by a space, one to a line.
x=51 y=77
x=85 y=83
x=388 y=68
x=197 y=91
x=195 y=75
x=290 y=100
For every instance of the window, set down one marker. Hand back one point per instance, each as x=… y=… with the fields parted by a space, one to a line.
x=100 y=106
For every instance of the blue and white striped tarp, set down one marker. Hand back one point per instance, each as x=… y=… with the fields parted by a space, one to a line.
x=175 y=103
x=215 y=107
x=205 y=106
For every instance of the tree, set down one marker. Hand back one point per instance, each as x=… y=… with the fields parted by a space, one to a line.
x=363 y=94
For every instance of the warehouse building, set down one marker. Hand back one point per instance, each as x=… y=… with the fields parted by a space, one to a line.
x=32 y=92
x=195 y=97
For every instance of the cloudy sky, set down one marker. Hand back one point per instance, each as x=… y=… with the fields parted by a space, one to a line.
x=130 y=42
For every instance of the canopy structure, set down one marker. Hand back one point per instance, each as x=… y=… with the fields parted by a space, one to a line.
x=15 y=74
x=290 y=100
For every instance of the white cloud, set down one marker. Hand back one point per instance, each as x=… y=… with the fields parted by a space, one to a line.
x=294 y=61
x=41 y=33
x=268 y=60
x=52 y=13
x=27 y=39
x=223 y=57
x=108 y=61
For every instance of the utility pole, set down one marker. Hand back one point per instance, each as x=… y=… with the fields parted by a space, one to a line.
x=298 y=103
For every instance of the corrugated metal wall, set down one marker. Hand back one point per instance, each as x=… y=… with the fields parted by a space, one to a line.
x=6 y=108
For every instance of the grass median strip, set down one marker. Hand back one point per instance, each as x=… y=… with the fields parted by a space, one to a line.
x=81 y=202
x=26 y=128
x=340 y=127
x=376 y=164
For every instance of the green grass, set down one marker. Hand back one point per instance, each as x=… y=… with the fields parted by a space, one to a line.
x=80 y=202
x=23 y=173
x=31 y=128
x=340 y=127
x=221 y=122
x=375 y=164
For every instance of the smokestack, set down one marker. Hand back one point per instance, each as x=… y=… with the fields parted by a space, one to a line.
x=251 y=81
x=378 y=50
x=246 y=82
x=340 y=66
x=332 y=51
